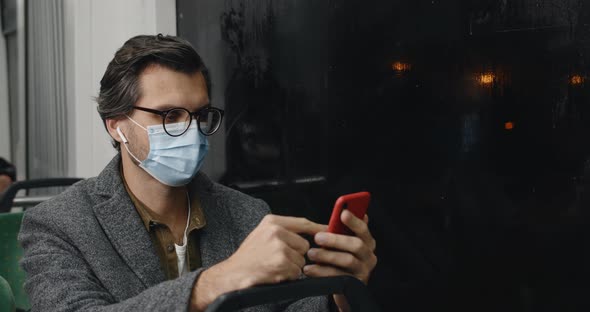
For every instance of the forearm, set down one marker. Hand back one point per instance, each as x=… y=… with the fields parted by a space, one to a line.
x=214 y=282
x=341 y=304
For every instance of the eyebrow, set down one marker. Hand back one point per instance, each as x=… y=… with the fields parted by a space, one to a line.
x=165 y=107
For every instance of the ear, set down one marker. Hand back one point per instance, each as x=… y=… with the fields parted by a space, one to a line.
x=112 y=125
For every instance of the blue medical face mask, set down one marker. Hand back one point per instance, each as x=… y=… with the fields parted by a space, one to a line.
x=173 y=161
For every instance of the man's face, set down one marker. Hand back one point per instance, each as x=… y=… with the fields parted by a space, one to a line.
x=162 y=89
x=5 y=182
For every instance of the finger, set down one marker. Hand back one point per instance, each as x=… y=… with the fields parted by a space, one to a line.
x=351 y=244
x=294 y=257
x=353 y=222
x=294 y=241
x=318 y=270
x=295 y=224
x=366 y=219
x=290 y=272
x=295 y=271
x=344 y=260
x=360 y=228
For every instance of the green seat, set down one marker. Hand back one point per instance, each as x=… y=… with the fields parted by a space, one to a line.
x=6 y=297
x=10 y=254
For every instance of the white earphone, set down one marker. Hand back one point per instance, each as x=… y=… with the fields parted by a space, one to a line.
x=121 y=135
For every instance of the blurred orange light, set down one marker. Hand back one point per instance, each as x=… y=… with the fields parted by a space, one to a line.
x=509 y=125
x=576 y=80
x=401 y=66
x=487 y=78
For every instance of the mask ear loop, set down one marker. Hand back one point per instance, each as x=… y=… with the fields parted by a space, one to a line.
x=125 y=142
x=135 y=122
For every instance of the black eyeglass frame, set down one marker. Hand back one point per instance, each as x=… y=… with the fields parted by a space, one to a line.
x=196 y=115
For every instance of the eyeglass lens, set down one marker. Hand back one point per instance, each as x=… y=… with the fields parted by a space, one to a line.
x=178 y=120
x=209 y=121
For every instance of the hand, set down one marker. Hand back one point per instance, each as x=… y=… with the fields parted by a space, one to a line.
x=272 y=253
x=344 y=254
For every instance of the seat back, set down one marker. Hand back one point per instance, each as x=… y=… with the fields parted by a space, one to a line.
x=11 y=253
x=7 y=198
x=6 y=297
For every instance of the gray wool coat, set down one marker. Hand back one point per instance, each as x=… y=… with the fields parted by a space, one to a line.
x=87 y=249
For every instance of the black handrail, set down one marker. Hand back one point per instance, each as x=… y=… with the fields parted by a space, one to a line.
x=272 y=184
x=356 y=293
x=7 y=197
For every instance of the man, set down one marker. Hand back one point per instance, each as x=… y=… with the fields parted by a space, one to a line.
x=153 y=233
x=7 y=174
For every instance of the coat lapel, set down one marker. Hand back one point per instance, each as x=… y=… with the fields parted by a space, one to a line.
x=217 y=242
x=122 y=225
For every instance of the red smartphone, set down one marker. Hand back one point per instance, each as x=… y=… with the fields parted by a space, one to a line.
x=357 y=203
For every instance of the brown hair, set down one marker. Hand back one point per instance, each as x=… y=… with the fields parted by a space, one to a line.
x=119 y=87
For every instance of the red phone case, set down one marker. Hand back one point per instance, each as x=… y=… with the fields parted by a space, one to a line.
x=357 y=203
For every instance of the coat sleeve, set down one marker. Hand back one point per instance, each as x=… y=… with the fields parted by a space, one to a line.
x=59 y=278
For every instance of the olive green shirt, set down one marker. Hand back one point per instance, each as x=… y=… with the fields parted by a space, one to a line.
x=163 y=239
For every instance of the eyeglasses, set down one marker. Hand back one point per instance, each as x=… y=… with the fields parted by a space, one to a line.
x=208 y=119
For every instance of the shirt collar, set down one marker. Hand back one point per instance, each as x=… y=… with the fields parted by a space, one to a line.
x=150 y=218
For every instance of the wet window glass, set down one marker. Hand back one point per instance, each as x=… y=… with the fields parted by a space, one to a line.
x=469 y=121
